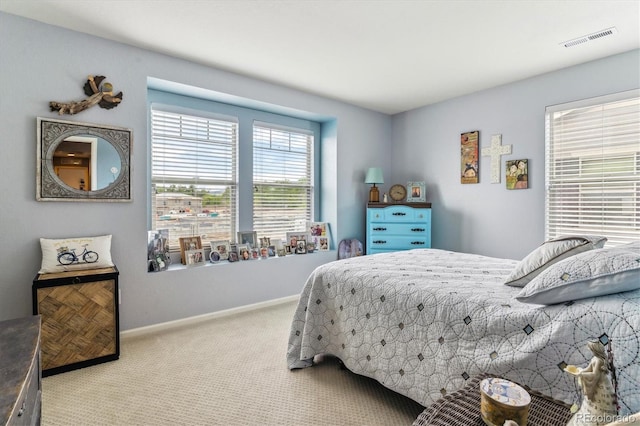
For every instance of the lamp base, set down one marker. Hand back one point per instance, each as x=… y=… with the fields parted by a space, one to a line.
x=374 y=195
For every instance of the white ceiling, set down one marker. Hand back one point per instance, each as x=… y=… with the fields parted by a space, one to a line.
x=385 y=55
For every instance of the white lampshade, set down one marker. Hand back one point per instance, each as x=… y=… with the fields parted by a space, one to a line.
x=374 y=175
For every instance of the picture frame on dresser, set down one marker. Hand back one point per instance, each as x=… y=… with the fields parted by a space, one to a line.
x=416 y=192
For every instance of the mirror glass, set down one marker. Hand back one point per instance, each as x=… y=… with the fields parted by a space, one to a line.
x=82 y=162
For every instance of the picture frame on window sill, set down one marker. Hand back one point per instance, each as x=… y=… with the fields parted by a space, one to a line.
x=222 y=247
x=416 y=192
x=186 y=244
x=194 y=257
x=248 y=237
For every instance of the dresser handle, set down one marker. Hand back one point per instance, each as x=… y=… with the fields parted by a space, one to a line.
x=417 y=229
x=399 y=214
x=379 y=242
x=417 y=243
x=379 y=229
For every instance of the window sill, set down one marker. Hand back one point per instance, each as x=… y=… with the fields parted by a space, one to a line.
x=332 y=254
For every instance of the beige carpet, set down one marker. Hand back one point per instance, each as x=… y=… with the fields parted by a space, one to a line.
x=225 y=371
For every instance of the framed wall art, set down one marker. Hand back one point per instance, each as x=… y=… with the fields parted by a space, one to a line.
x=517 y=172
x=469 y=157
x=415 y=192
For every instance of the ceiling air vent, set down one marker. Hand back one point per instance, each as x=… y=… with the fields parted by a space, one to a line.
x=590 y=37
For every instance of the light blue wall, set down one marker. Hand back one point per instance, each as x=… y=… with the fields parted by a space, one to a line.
x=41 y=63
x=487 y=218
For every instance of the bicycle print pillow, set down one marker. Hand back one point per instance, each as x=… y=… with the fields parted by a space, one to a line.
x=73 y=254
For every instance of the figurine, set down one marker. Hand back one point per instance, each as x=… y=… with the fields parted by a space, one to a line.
x=384 y=198
x=598 y=405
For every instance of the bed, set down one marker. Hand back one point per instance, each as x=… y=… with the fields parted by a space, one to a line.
x=424 y=322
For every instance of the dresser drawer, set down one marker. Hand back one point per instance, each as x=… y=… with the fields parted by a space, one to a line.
x=407 y=229
x=396 y=242
x=399 y=214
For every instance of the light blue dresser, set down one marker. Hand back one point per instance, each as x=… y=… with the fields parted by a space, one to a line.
x=398 y=226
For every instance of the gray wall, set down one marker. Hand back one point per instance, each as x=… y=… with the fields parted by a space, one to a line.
x=487 y=218
x=41 y=63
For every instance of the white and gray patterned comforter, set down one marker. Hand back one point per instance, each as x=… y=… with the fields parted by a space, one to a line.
x=422 y=322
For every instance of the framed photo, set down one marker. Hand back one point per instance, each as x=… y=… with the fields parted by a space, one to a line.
x=265 y=242
x=214 y=256
x=281 y=252
x=222 y=247
x=194 y=257
x=248 y=237
x=415 y=192
x=469 y=157
x=318 y=229
x=517 y=174
x=301 y=246
x=188 y=243
x=244 y=252
x=255 y=253
x=271 y=251
x=311 y=246
x=322 y=243
x=158 y=250
x=294 y=237
x=264 y=252
x=233 y=256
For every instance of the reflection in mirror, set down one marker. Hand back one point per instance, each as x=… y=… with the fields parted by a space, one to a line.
x=82 y=162
x=87 y=163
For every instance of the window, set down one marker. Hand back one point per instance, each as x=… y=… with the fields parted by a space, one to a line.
x=593 y=168
x=282 y=179
x=193 y=175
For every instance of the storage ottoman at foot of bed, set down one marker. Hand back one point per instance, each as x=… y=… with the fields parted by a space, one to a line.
x=462 y=408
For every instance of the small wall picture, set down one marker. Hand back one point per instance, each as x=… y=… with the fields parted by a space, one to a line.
x=248 y=237
x=415 y=192
x=469 y=157
x=517 y=172
x=194 y=257
x=222 y=247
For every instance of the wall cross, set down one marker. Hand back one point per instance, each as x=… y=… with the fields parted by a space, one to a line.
x=495 y=151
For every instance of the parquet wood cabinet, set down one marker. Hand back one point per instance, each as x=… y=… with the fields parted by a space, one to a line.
x=398 y=226
x=80 y=324
x=20 y=380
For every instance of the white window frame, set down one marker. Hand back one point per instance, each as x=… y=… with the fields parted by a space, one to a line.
x=296 y=147
x=200 y=220
x=580 y=197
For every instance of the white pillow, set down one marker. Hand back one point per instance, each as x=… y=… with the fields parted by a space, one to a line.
x=594 y=273
x=550 y=252
x=68 y=254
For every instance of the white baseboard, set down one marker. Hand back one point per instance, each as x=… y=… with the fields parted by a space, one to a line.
x=141 y=331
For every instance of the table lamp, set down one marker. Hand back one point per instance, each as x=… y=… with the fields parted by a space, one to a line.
x=374 y=175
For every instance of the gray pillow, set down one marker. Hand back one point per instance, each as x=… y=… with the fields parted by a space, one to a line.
x=550 y=252
x=593 y=273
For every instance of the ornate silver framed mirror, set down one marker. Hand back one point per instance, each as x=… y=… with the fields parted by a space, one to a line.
x=83 y=162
